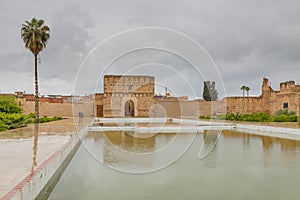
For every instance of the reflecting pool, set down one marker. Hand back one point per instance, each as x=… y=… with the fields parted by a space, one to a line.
x=238 y=166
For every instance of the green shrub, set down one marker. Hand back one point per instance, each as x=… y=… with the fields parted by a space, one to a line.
x=13 y=120
x=230 y=116
x=10 y=113
x=31 y=115
x=257 y=117
x=299 y=120
x=57 y=118
x=204 y=117
x=293 y=118
x=221 y=117
x=9 y=106
x=236 y=117
x=3 y=126
x=281 y=118
x=286 y=112
x=48 y=119
x=285 y=118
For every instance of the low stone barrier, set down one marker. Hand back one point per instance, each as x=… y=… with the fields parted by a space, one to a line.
x=279 y=132
x=35 y=182
x=130 y=120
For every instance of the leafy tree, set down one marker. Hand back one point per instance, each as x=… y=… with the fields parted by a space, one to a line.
x=206 y=94
x=35 y=35
x=209 y=91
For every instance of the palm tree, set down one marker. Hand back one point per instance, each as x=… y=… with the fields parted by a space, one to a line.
x=243 y=88
x=247 y=90
x=35 y=35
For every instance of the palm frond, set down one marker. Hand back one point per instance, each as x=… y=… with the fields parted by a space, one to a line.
x=35 y=35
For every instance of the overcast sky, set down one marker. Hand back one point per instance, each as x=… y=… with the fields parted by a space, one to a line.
x=240 y=42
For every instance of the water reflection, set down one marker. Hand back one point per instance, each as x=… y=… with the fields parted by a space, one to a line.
x=126 y=150
x=210 y=140
x=130 y=152
x=237 y=165
x=129 y=141
x=288 y=148
x=268 y=143
x=269 y=146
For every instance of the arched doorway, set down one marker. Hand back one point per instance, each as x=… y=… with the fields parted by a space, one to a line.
x=129 y=109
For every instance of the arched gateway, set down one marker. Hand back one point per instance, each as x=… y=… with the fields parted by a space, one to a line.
x=129 y=109
x=119 y=90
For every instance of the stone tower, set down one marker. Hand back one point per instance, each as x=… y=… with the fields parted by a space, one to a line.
x=266 y=95
x=127 y=96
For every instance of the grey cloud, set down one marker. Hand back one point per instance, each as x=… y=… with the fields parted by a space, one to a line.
x=69 y=41
x=247 y=39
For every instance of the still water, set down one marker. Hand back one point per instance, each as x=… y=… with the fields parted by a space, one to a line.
x=239 y=166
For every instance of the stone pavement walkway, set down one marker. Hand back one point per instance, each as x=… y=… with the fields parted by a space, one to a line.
x=17 y=149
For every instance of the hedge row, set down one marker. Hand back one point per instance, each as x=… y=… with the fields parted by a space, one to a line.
x=257 y=117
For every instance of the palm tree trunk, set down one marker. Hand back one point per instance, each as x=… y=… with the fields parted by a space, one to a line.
x=36 y=119
x=36 y=97
x=35 y=146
